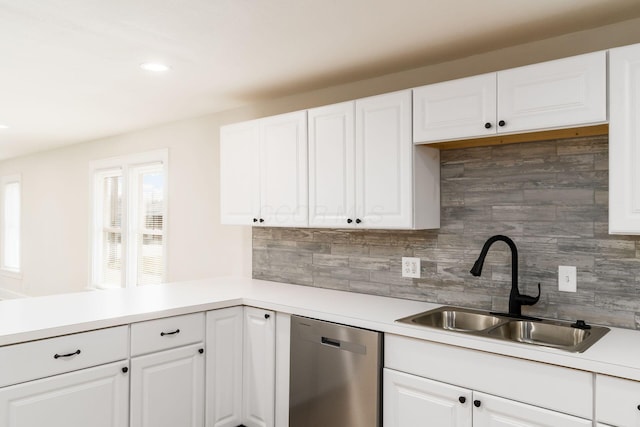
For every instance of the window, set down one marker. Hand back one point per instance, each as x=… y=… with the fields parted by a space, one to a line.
x=10 y=234
x=129 y=219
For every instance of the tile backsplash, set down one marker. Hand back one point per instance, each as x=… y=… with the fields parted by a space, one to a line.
x=550 y=197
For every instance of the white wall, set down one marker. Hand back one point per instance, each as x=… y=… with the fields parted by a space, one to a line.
x=55 y=184
x=56 y=191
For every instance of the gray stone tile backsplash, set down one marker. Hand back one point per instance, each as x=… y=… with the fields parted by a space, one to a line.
x=550 y=197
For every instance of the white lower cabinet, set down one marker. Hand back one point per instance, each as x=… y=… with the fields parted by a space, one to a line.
x=464 y=387
x=493 y=411
x=258 y=383
x=241 y=367
x=167 y=388
x=96 y=397
x=167 y=372
x=410 y=400
x=224 y=367
x=617 y=401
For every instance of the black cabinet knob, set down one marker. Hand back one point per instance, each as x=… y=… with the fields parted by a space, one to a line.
x=125 y=370
x=477 y=403
x=261 y=220
x=462 y=399
x=266 y=316
x=255 y=219
x=358 y=220
x=201 y=350
x=487 y=125
x=501 y=123
x=638 y=407
x=349 y=221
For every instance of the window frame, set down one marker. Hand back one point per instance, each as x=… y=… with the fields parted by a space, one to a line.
x=5 y=270
x=126 y=165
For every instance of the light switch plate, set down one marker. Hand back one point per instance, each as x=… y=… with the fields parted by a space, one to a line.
x=567 y=281
x=411 y=267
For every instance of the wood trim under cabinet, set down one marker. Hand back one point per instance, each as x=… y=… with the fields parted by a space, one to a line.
x=524 y=137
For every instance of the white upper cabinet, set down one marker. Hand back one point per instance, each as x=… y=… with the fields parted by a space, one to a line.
x=561 y=93
x=384 y=170
x=364 y=171
x=624 y=140
x=457 y=109
x=566 y=92
x=332 y=165
x=240 y=173
x=263 y=172
x=283 y=170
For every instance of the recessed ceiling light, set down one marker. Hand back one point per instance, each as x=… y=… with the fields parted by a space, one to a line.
x=3 y=127
x=155 y=67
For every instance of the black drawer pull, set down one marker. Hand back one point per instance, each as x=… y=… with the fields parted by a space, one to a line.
x=201 y=350
x=125 y=370
x=177 y=331
x=58 y=356
x=477 y=403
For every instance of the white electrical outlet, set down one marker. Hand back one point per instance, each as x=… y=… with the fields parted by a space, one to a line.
x=410 y=267
x=567 y=281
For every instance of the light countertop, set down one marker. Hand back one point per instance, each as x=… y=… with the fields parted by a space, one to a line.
x=21 y=320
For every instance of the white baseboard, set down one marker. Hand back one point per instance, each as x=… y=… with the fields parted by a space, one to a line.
x=7 y=294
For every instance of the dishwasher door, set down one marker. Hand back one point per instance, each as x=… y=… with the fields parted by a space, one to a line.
x=335 y=375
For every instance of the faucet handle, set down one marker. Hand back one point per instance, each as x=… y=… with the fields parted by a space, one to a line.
x=528 y=300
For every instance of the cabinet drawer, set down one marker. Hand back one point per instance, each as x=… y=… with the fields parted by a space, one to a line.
x=548 y=386
x=39 y=359
x=617 y=401
x=170 y=332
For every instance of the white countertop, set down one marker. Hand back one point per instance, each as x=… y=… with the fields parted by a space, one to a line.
x=617 y=353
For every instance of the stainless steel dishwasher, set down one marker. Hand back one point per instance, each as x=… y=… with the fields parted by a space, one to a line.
x=335 y=375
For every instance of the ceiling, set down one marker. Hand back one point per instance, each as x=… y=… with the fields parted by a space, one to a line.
x=69 y=69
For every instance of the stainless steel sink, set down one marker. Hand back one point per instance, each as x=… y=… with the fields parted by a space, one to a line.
x=538 y=332
x=454 y=319
x=549 y=334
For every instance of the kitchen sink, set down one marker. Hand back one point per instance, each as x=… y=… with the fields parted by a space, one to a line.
x=540 y=332
x=454 y=319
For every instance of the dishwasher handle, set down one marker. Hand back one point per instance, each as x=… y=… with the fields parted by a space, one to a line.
x=331 y=342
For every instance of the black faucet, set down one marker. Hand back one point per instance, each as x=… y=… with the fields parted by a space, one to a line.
x=516 y=300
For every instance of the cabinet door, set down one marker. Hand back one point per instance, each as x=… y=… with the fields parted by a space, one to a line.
x=617 y=401
x=96 y=397
x=624 y=140
x=455 y=109
x=224 y=367
x=167 y=388
x=410 y=401
x=283 y=170
x=239 y=173
x=384 y=161
x=492 y=411
x=566 y=92
x=259 y=368
x=331 y=166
